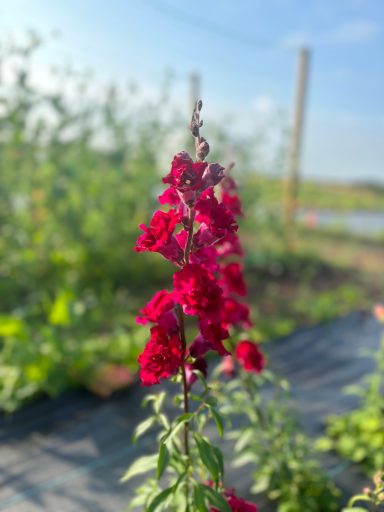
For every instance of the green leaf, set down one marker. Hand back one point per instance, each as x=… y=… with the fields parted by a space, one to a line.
x=159 y=499
x=208 y=457
x=216 y=499
x=354 y=509
x=184 y=418
x=198 y=498
x=220 y=460
x=10 y=326
x=162 y=461
x=142 y=427
x=158 y=403
x=60 y=310
x=139 y=466
x=260 y=485
x=218 y=420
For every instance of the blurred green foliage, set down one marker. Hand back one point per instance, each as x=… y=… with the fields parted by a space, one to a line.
x=80 y=170
x=77 y=178
x=359 y=435
x=268 y=439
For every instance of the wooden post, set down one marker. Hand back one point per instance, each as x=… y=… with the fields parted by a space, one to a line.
x=195 y=83
x=291 y=185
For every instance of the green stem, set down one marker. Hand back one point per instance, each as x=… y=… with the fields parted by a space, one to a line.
x=191 y=219
x=186 y=399
x=188 y=245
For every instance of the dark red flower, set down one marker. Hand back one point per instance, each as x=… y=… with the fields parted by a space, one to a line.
x=199 y=347
x=232 y=202
x=159 y=310
x=232 y=280
x=197 y=291
x=158 y=237
x=201 y=365
x=206 y=258
x=214 y=334
x=210 y=338
x=235 y=314
x=185 y=175
x=250 y=356
x=229 y=245
x=161 y=357
x=215 y=217
x=169 y=196
x=237 y=504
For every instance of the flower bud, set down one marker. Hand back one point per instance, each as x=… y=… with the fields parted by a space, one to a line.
x=194 y=129
x=199 y=105
x=202 y=149
x=200 y=365
x=213 y=174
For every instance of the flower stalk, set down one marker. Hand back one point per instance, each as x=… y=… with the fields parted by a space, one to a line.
x=195 y=234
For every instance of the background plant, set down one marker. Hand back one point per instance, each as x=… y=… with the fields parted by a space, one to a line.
x=371 y=499
x=80 y=162
x=266 y=436
x=359 y=435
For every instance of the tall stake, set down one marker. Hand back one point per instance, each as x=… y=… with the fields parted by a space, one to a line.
x=194 y=89
x=291 y=184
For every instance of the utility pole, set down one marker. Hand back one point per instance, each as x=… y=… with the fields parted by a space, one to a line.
x=291 y=185
x=194 y=90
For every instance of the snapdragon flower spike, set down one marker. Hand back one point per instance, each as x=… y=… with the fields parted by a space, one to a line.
x=196 y=289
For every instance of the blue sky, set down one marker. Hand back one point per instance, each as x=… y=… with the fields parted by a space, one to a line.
x=245 y=52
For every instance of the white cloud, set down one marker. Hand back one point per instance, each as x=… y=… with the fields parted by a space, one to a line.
x=296 y=39
x=264 y=104
x=356 y=31
x=353 y=31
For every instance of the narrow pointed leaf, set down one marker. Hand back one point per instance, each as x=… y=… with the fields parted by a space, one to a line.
x=199 y=500
x=140 y=466
x=159 y=499
x=162 y=461
x=184 y=418
x=207 y=456
x=216 y=499
x=142 y=428
x=218 y=420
